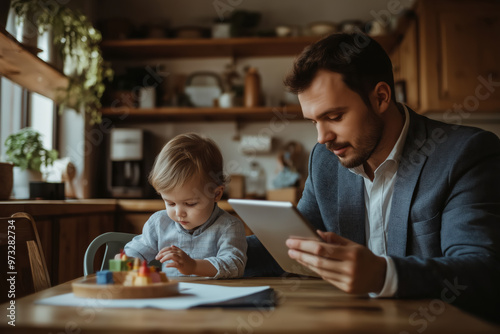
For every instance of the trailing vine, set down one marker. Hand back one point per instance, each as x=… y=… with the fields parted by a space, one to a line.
x=77 y=41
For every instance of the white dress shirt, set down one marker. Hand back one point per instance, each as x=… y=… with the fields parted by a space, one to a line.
x=378 y=199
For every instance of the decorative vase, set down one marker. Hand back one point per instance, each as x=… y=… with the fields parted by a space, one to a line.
x=22 y=179
x=6 y=180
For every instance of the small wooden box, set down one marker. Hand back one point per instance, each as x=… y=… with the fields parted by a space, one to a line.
x=236 y=186
x=290 y=194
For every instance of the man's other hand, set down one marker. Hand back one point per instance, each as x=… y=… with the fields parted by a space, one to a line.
x=349 y=266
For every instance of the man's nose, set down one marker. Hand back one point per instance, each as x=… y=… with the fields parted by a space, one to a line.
x=324 y=134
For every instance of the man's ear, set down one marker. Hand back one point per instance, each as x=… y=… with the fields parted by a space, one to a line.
x=382 y=97
x=218 y=193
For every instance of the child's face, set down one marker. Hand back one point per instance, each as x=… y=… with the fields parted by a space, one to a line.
x=189 y=205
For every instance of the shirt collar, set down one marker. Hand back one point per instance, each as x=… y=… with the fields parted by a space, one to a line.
x=216 y=213
x=397 y=150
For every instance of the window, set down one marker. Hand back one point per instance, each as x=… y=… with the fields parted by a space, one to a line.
x=20 y=108
x=11 y=111
x=41 y=118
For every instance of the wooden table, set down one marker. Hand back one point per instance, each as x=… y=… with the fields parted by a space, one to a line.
x=304 y=306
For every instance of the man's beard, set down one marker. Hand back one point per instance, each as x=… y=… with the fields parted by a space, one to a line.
x=365 y=144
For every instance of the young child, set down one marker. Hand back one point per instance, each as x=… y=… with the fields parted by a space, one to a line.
x=193 y=236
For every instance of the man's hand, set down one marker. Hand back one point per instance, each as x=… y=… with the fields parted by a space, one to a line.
x=349 y=266
x=180 y=260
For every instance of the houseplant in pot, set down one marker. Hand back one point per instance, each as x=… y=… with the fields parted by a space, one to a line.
x=24 y=149
x=78 y=44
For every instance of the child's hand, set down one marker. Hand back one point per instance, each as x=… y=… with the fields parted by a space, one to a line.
x=183 y=262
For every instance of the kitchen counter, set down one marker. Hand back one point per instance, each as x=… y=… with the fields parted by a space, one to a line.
x=77 y=206
x=152 y=205
x=67 y=227
x=57 y=208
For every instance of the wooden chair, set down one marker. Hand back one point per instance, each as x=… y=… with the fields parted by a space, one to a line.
x=26 y=265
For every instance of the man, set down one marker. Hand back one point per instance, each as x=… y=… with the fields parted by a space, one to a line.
x=411 y=205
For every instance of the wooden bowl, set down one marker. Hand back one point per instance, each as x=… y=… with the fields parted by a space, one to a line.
x=88 y=288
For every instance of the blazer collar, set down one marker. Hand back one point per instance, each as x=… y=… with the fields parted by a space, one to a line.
x=410 y=167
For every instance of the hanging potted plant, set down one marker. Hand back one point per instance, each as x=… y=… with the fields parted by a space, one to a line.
x=78 y=43
x=25 y=151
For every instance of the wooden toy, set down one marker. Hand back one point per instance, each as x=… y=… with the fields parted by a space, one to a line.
x=143 y=282
x=104 y=277
x=124 y=264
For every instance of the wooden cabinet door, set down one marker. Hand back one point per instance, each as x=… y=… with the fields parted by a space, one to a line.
x=396 y=63
x=75 y=235
x=468 y=57
x=409 y=66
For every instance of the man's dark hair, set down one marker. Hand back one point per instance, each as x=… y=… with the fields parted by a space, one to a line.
x=360 y=60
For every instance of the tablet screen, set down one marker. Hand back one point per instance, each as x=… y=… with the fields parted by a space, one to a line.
x=273 y=223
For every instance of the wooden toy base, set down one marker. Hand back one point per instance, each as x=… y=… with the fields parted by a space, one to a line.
x=88 y=288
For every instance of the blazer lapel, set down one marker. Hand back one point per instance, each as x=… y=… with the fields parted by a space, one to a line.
x=351 y=213
x=410 y=166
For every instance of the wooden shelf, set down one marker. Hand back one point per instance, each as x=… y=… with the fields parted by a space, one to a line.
x=126 y=114
x=220 y=47
x=26 y=69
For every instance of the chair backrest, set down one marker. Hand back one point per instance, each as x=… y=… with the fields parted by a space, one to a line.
x=22 y=255
x=115 y=241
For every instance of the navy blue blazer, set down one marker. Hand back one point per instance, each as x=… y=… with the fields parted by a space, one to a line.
x=444 y=225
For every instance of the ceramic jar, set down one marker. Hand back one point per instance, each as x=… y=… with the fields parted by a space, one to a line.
x=252 y=97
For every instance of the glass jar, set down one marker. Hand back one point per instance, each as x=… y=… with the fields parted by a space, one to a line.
x=256 y=181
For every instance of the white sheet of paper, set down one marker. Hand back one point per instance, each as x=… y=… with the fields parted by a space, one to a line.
x=192 y=294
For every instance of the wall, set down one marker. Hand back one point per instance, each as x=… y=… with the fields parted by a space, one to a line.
x=272 y=70
x=202 y=13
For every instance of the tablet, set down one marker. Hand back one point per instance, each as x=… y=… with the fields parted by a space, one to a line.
x=273 y=223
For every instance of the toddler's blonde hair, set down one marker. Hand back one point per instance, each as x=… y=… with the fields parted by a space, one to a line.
x=185 y=157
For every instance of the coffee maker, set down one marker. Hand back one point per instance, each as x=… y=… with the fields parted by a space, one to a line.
x=129 y=164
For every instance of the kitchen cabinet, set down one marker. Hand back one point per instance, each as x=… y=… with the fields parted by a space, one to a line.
x=24 y=68
x=133 y=214
x=75 y=235
x=448 y=58
x=405 y=66
x=138 y=50
x=66 y=228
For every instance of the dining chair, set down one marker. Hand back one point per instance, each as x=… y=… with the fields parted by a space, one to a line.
x=114 y=241
x=25 y=269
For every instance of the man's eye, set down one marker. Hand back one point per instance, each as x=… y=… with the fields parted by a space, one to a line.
x=336 y=117
x=171 y=204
